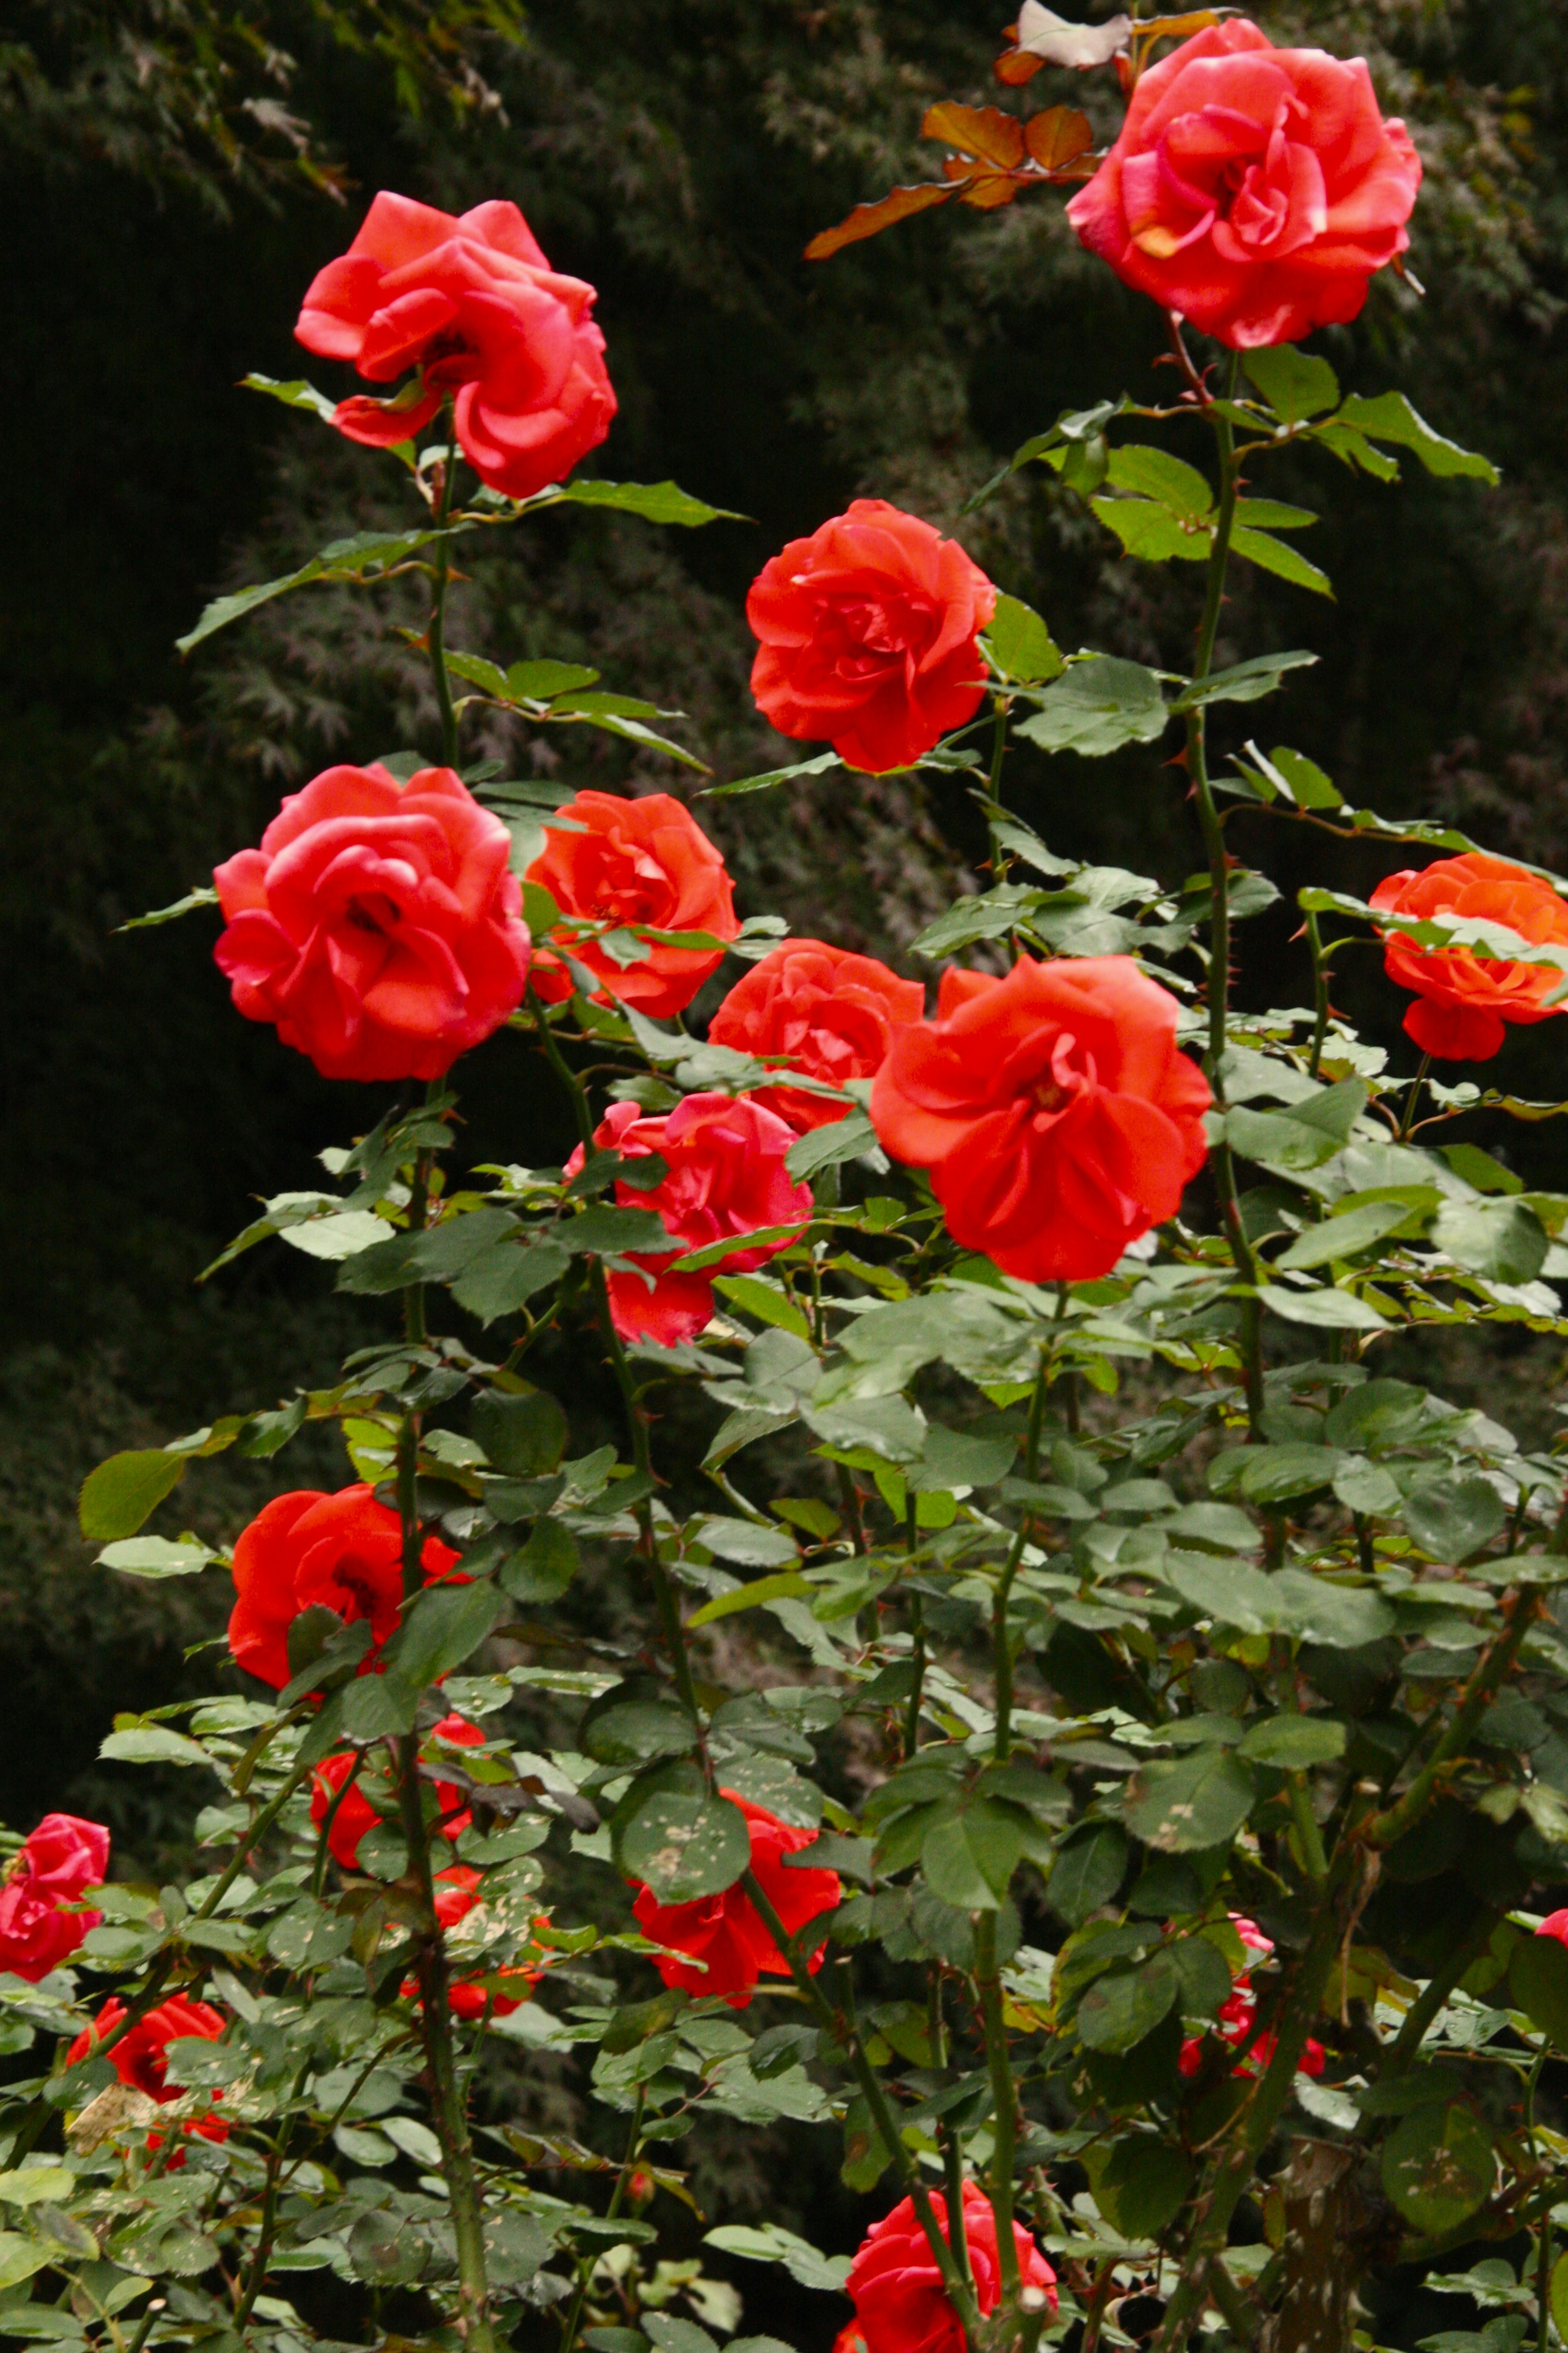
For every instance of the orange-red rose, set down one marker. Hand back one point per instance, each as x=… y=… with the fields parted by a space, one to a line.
x=724 y=1934
x=900 y=2301
x=140 y=2057
x=1464 y=1000
x=622 y=864
x=355 y=1814
x=472 y=303
x=379 y=925
x=724 y=1158
x=1253 y=190
x=57 y=1861
x=344 y=1552
x=832 y=1016
x=1055 y=1116
x=867 y=635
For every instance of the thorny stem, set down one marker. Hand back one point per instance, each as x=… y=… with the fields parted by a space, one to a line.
x=1000 y=1642
x=435 y=636
x=574 y=2320
x=1406 y=2044
x=917 y=1688
x=268 y=2228
x=1319 y=995
x=999 y=859
x=1004 y=2098
x=1383 y=1829
x=1094 y=2311
x=1408 y=1119
x=948 y=2138
x=849 y=1497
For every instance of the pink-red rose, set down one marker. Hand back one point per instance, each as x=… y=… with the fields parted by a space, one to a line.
x=1055 y=1116
x=342 y=1552
x=379 y=925
x=57 y=1861
x=1253 y=190
x=724 y=1159
x=1463 y=1001
x=900 y=2303
x=726 y=1944
x=828 y=1014
x=628 y=864
x=472 y=303
x=868 y=634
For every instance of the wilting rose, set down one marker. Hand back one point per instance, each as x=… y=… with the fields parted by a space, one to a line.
x=379 y=925
x=472 y=303
x=629 y=862
x=344 y=1552
x=724 y=1158
x=140 y=2057
x=900 y=2301
x=868 y=636
x=725 y=1933
x=57 y=1861
x=1251 y=189
x=457 y=1893
x=1463 y=1001
x=356 y=1815
x=1234 y=2022
x=832 y=1014
x=1055 y=1116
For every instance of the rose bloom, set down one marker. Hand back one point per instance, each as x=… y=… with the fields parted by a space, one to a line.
x=1234 y=2024
x=342 y=1551
x=356 y=1815
x=635 y=861
x=1556 y=1925
x=833 y=1015
x=140 y=2057
x=1055 y=1116
x=57 y=1861
x=725 y=1933
x=1464 y=1000
x=868 y=633
x=472 y=303
x=1253 y=190
x=900 y=2303
x=725 y=1160
x=379 y=925
x=457 y=1893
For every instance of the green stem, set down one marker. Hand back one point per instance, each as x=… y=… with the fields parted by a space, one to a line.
x=1319 y=995
x=1001 y=1643
x=573 y=2321
x=1406 y=2045
x=1309 y=1836
x=268 y=2230
x=1413 y=1098
x=1232 y=2303
x=1094 y=2311
x=1383 y=1829
x=435 y=636
x=917 y=1689
x=948 y=2137
x=850 y=1498
x=999 y=859
x=1005 y=2125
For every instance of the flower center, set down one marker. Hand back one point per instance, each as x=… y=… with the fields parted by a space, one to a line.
x=377 y=916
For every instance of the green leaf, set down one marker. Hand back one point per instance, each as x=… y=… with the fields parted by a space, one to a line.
x=203 y=895
x=747 y=1543
x=502 y=1278
x=20 y=2258
x=1339 y=1617
x=1343 y=1237
x=1452 y=1518
x=1439 y=2167
x=1275 y=556
x=1537 y=1975
x=765 y=1301
x=1148 y=530
x=1192 y=1801
x=1272 y=1474
x=1330 y=1310
x=122 y=1492
x=769 y=777
x=769 y=2242
x=612 y=1233
x=1088 y=1871
x=669 y=1832
x=152 y=1744
x=295 y=394
x=1294 y=1741
x=1020 y=644
x=1295 y=385
x=654 y=501
x=788 y=1586
x=825 y=1147
x=1248 y=682
x=1125 y=2005
x=543 y=1567
x=1501 y=1240
x=1303 y=1136
x=633 y=1723
x=1098 y=706
x=697 y=1262
x=969 y=1851
x=1155 y=474
x=523 y=1433
x=1390 y=417
x=1226 y=1591
x=443 y=1627
x=363 y=558
x=156 y=1556
x=1144 y=2187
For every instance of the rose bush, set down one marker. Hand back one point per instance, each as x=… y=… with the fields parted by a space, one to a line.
x=627 y=865
x=307 y=1550
x=829 y=1013
x=1464 y=1002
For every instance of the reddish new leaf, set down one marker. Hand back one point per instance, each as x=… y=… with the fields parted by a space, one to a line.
x=868 y=220
x=1057 y=138
x=1016 y=66
x=980 y=130
x=986 y=190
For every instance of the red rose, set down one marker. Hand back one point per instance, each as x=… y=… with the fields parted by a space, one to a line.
x=868 y=633
x=726 y=1175
x=1462 y=1000
x=57 y=1861
x=140 y=2057
x=356 y=1815
x=457 y=1893
x=1055 y=1116
x=342 y=1551
x=725 y=1933
x=833 y=1015
x=1234 y=2024
x=1253 y=190
x=628 y=862
x=378 y=925
x=900 y=2300
x=1556 y=1925
x=472 y=304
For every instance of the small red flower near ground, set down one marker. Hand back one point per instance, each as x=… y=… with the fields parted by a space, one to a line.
x=1053 y=1111
x=472 y=303
x=140 y=2057
x=342 y=1551
x=379 y=927
x=726 y=1175
x=1463 y=1001
x=725 y=1933
x=626 y=862
x=833 y=1014
x=356 y=1815
x=900 y=2303
x=868 y=634
x=57 y=1861
x=1255 y=191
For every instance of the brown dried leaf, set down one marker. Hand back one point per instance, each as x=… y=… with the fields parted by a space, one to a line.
x=1057 y=138
x=980 y=130
x=868 y=220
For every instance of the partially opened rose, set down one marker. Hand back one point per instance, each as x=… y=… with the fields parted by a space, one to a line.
x=725 y=1156
x=140 y=2057
x=1463 y=1001
x=725 y=1933
x=868 y=636
x=473 y=305
x=623 y=863
x=832 y=1014
x=900 y=2303
x=1253 y=190
x=1055 y=1114
x=379 y=927
x=353 y=1814
x=56 y=1862
x=344 y=1552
